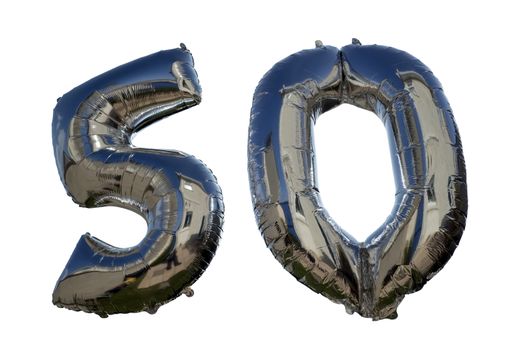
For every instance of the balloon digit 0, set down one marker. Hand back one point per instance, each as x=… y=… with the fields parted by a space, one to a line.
x=430 y=209
x=174 y=192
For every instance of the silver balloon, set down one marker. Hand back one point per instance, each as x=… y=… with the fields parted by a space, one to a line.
x=429 y=213
x=174 y=192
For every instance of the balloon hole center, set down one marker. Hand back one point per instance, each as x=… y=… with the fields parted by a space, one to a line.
x=113 y=225
x=354 y=172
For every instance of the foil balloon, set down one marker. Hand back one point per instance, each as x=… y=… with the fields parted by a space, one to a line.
x=174 y=192
x=430 y=205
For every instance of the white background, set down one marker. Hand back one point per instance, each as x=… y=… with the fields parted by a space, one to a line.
x=246 y=299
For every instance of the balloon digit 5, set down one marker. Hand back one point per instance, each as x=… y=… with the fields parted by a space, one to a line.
x=174 y=192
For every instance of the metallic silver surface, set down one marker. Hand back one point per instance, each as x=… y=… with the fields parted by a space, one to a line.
x=429 y=214
x=174 y=192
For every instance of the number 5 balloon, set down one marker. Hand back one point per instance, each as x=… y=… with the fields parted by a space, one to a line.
x=174 y=192
x=430 y=208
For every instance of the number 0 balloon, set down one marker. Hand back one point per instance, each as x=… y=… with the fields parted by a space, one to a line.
x=430 y=206
x=174 y=192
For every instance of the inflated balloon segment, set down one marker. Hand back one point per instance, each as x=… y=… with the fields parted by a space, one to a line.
x=430 y=206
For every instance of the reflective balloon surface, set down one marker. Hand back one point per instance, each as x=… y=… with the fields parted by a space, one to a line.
x=429 y=214
x=174 y=192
